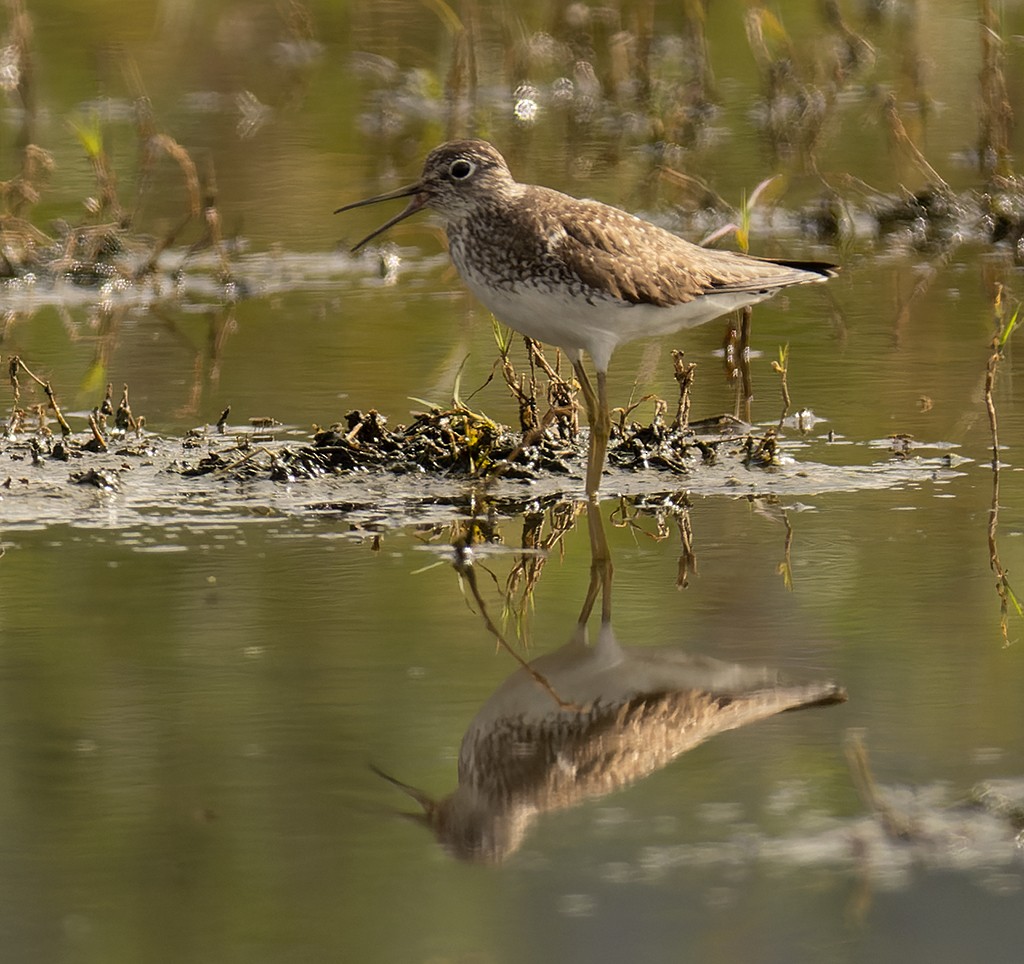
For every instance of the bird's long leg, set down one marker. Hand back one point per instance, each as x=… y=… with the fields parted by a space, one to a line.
x=589 y=396
x=746 y=318
x=592 y=589
x=601 y=568
x=599 y=419
x=600 y=430
x=600 y=557
x=600 y=553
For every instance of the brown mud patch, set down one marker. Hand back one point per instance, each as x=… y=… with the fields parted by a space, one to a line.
x=431 y=471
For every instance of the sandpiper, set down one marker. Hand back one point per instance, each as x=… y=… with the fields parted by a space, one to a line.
x=579 y=274
x=633 y=711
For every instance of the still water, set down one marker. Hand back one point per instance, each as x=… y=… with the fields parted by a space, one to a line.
x=194 y=693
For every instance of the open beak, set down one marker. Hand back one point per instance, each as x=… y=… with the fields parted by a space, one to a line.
x=428 y=804
x=419 y=200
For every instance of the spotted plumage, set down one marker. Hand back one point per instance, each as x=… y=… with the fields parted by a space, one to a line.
x=633 y=711
x=578 y=274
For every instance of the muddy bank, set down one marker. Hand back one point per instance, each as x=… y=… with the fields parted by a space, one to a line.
x=147 y=478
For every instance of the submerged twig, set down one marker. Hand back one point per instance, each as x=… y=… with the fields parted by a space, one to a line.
x=896 y=825
x=625 y=514
x=526 y=397
x=153 y=145
x=525 y=574
x=781 y=368
x=1003 y=588
x=1004 y=329
x=631 y=406
x=995 y=116
x=906 y=146
x=250 y=453
x=687 y=551
x=684 y=373
x=532 y=437
x=97 y=443
x=785 y=567
x=465 y=569
x=13 y=367
x=90 y=136
x=123 y=418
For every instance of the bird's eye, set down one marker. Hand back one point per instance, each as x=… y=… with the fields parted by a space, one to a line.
x=461 y=169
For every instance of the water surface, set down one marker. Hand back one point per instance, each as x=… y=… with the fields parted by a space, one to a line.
x=192 y=696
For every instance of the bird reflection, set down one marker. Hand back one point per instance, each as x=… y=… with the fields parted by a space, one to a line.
x=588 y=719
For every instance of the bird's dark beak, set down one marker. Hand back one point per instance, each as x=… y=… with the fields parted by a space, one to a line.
x=419 y=200
x=428 y=804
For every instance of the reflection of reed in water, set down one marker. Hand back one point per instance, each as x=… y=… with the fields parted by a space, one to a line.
x=586 y=719
x=628 y=712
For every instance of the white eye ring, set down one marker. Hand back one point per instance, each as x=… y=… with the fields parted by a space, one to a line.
x=461 y=169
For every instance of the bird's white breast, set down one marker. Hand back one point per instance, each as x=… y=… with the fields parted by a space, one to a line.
x=575 y=318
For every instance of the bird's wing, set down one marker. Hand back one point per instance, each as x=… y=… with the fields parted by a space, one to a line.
x=638 y=262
